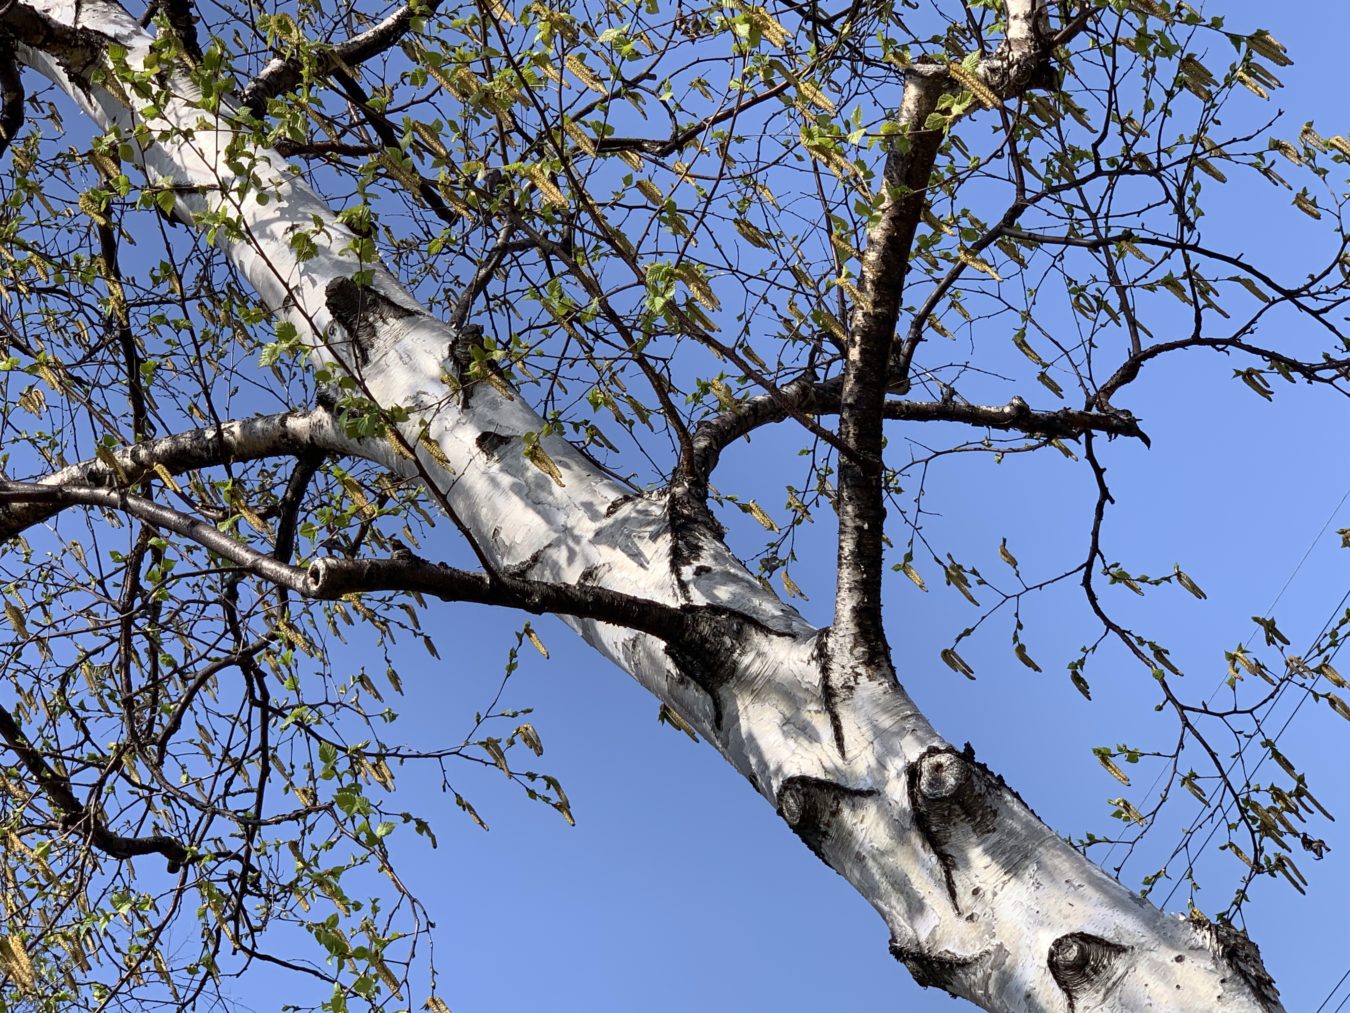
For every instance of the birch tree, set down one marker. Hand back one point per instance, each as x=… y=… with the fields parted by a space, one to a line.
x=285 y=288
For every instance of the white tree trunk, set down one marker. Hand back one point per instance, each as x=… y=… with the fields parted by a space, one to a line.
x=980 y=897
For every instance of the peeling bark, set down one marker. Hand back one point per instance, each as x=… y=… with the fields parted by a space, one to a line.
x=981 y=898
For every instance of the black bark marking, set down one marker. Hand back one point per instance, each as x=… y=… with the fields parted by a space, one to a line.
x=810 y=805
x=618 y=504
x=968 y=754
x=707 y=678
x=467 y=338
x=77 y=50
x=361 y=310
x=950 y=796
x=690 y=522
x=522 y=569
x=1085 y=967
x=933 y=970
x=11 y=96
x=491 y=443
x=1037 y=74
x=951 y=788
x=473 y=364
x=1242 y=955
x=828 y=697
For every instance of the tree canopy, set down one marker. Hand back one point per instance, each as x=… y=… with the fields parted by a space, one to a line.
x=310 y=315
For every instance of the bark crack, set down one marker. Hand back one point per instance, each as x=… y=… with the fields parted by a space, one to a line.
x=829 y=698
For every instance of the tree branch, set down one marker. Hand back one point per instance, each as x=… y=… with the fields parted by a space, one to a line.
x=328 y=579
x=885 y=261
x=1020 y=63
x=899 y=368
x=247 y=440
x=716 y=434
x=1290 y=295
x=688 y=135
x=1312 y=372
x=119 y=319
x=332 y=578
x=283 y=74
x=74 y=815
x=11 y=96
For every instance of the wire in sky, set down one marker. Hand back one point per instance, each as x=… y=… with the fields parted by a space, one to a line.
x=1269 y=613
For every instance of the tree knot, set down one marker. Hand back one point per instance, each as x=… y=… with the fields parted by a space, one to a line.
x=812 y=805
x=1085 y=966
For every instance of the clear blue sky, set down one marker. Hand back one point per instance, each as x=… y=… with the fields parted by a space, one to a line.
x=680 y=889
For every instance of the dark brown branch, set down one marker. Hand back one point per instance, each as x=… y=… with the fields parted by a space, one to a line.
x=204 y=675
x=1020 y=63
x=716 y=434
x=182 y=21
x=11 y=96
x=1018 y=416
x=320 y=149
x=307 y=466
x=389 y=137
x=332 y=578
x=76 y=817
x=119 y=318
x=265 y=436
x=688 y=135
x=1312 y=372
x=282 y=75
x=328 y=579
x=885 y=262
x=482 y=277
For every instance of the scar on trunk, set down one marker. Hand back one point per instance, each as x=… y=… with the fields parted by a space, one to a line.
x=361 y=310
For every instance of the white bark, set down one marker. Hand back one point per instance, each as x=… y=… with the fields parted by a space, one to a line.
x=980 y=897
